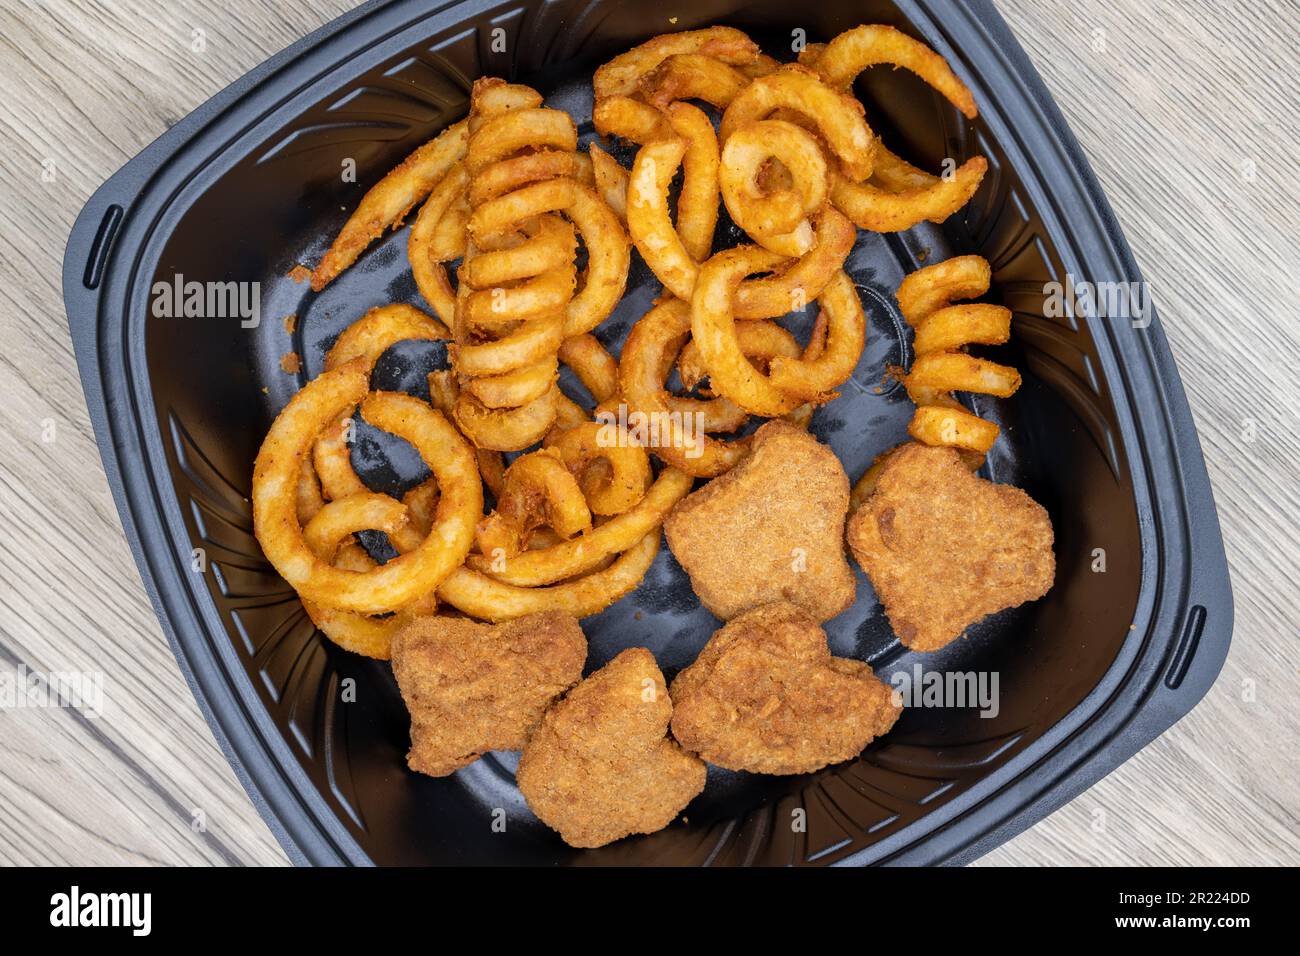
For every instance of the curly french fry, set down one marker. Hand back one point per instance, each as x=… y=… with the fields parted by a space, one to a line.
x=538 y=491
x=389 y=200
x=328 y=534
x=278 y=469
x=838 y=117
x=621 y=75
x=941 y=365
x=481 y=596
x=364 y=340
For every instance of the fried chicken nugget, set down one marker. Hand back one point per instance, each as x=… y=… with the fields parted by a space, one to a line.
x=601 y=767
x=945 y=548
x=770 y=529
x=765 y=695
x=474 y=687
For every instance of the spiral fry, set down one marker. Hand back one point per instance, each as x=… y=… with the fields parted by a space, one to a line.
x=518 y=275
x=329 y=534
x=898 y=195
x=538 y=491
x=776 y=219
x=941 y=365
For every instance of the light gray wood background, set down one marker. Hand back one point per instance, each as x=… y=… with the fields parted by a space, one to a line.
x=1188 y=111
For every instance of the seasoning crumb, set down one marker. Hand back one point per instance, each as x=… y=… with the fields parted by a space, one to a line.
x=923 y=253
x=672 y=19
x=265 y=390
x=637 y=616
x=300 y=273
x=290 y=363
x=290 y=323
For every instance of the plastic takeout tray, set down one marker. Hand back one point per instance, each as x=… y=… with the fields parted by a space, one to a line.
x=249 y=185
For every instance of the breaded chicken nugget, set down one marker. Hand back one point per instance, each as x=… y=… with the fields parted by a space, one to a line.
x=474 y=687
x=945 y=548
x=600 y=766
x=765 y=695
x=770 y=529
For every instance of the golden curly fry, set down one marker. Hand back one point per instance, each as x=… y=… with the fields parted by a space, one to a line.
x=531 y=342
x=309 y=499
x=422 y=506
x=845 y=334
x=663 y=245
x=505 y=429
x=898 y=195
x=390 y=199
x=504 y=214
x=613 y=472
x=609 y=256
x=713 y=329
x=492 y=97
x=517 y=388
x=423 y=247
x=538 y=491
x=380 y=329
x=502 y=306
x=327 y=532
x=692 y=76
x=759 y=67
x=278 y=468
x=509 y=174
x=479 y=595
x=443 y=392
x=365 y=339
x=797 y=283
x=648 y=355
x=518 y=277
x=630 y=119
x=838 y=117
x=881 y=210
x=895 y=174
x=941 y=366
x=760 y=339
x=792 y=379
x=520 y=293
x=562 y=560
x=611 y=181
x=503 y=135
x=594 y=366
x=621 y=75
x=545 y=245
x=450 y=233
x=776 y=220
x=930 y=289
x=697 y=204
x=650 y=221
x=332 y=460
x=840 y=61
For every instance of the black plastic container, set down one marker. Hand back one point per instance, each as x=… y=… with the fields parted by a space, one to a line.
x=249 y=185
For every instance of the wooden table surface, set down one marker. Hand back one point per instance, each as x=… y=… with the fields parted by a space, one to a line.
x=1188 y=112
